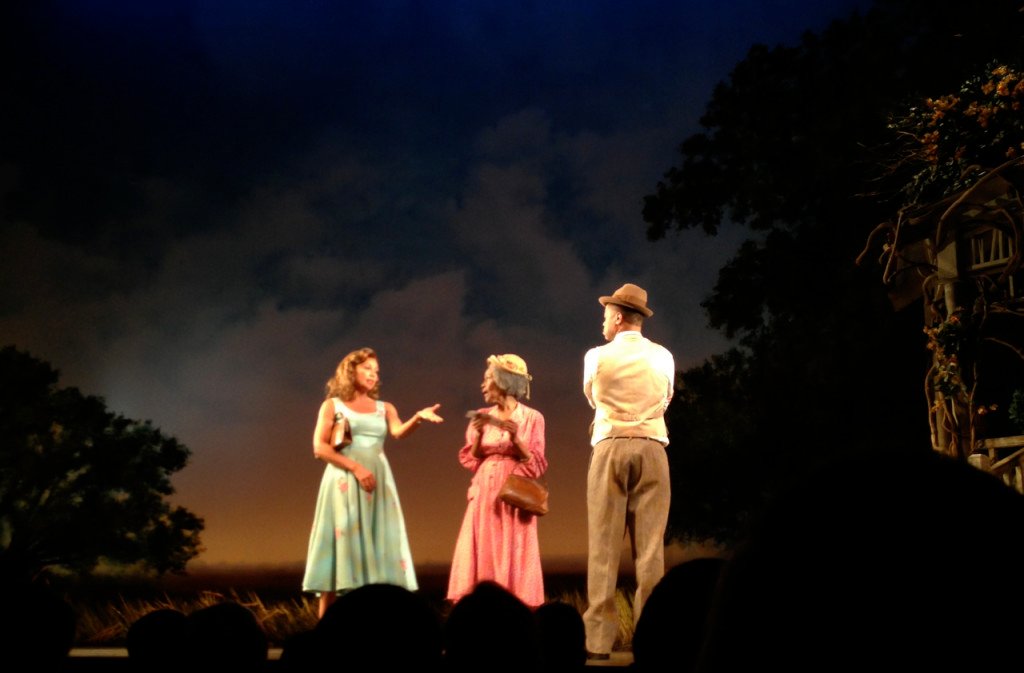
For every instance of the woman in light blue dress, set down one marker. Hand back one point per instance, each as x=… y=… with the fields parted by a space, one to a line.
x=358 y=534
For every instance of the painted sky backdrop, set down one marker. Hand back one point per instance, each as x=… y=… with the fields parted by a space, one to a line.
x=205 y=205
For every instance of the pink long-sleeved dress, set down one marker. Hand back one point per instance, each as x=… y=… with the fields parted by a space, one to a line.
x=497 y=541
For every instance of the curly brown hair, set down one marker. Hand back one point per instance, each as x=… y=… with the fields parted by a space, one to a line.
x=343 y=383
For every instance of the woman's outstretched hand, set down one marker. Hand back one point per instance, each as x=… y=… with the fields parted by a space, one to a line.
x=429 y=414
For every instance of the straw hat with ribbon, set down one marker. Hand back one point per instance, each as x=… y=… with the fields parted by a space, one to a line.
x=514 y=365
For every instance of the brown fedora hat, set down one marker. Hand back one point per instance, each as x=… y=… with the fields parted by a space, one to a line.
x=630 y=296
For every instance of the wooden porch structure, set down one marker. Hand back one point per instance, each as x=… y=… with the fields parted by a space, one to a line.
x=962 y=257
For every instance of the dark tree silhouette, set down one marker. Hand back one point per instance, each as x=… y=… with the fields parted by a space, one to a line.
x=797 y=149
x=80 y=484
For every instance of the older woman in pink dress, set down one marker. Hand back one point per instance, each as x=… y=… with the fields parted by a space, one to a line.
x=497 y=541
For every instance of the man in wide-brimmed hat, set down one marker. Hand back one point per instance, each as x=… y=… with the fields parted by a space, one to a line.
x=628 y=382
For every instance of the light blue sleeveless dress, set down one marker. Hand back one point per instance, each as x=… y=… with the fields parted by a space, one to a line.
x=359 y=538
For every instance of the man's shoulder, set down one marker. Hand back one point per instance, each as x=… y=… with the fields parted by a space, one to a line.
x=659 y=347
x=651 y=344
x=640 y=345
x=634 y=340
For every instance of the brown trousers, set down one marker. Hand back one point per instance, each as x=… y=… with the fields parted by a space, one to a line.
x=628 y=491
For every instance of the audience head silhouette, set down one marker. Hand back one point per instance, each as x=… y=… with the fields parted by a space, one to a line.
x=299 y=652
x=38 y=625
x=156 y=641
x=385 y=626
x=902 y=557
x=490 y=629
x=671 y=629
x=226 y=635
x=562 y=637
